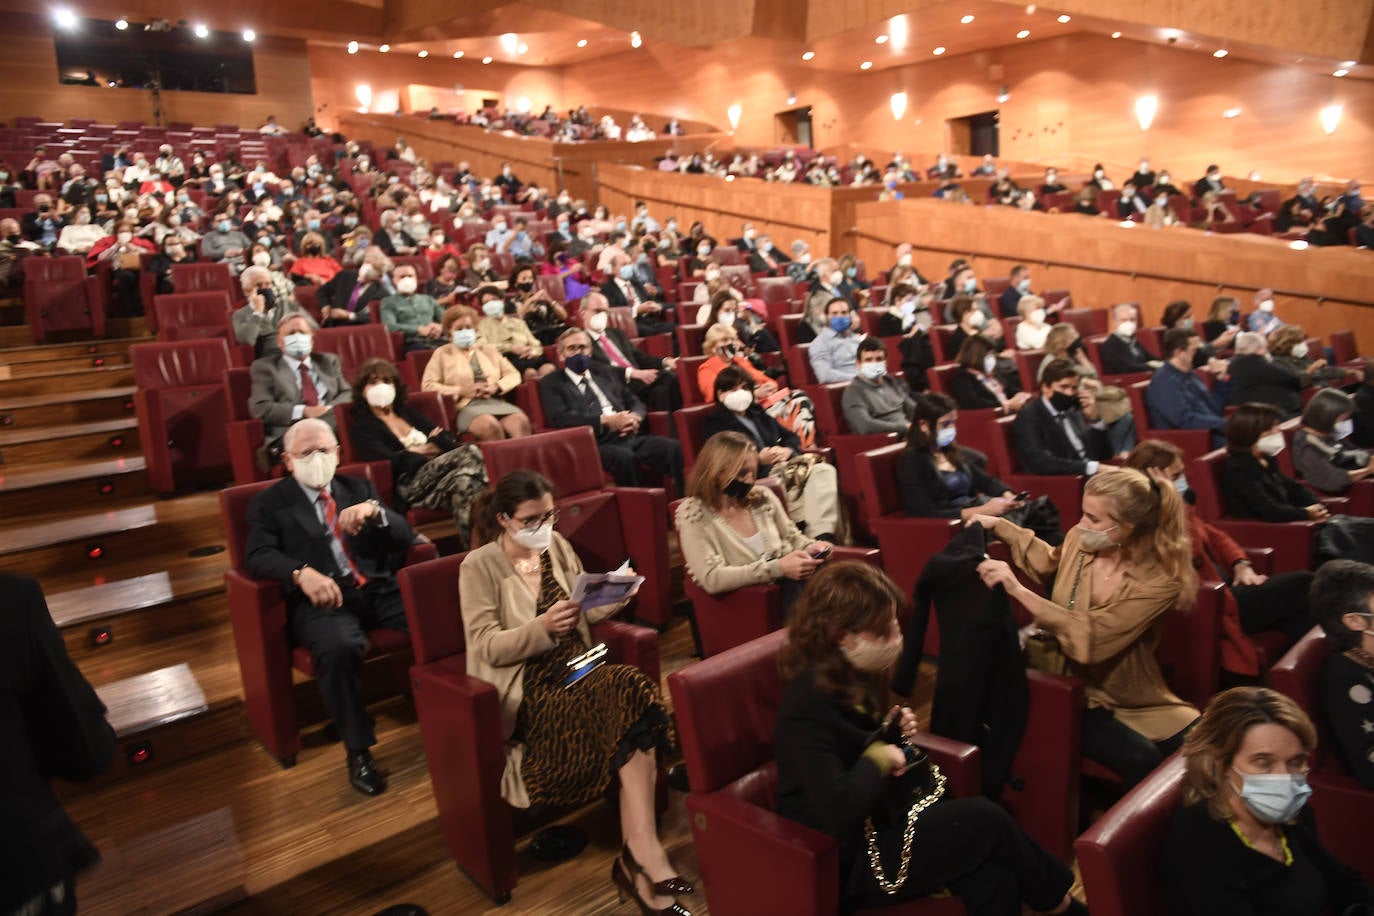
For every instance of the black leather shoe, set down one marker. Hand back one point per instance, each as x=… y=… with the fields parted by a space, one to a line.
x=677 y=778
x=364 y=775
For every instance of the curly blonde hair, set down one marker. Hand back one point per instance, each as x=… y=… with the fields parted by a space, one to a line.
x=1159 y=524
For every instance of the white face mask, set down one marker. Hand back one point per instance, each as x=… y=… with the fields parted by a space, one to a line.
x=836 y=277
x=381 y=395
x=262 y=259
x=989 y=363
x=405 y=286
x=726 y=319
x=1126 y=329
x=867 y=653
x=737 y=401
x=977 y=318
x=597 y=321
x=297 y=346
x=1037 y=316
x=712 y=275
x=124 y=238
x=1300 y=349
x=315 y=471
x=1267 y=306
x=904 y=260
x=1270 y=445
x=493 y=308
x=536 y=539
x=1096 y=540
x=1342 y=429
x=873 y=371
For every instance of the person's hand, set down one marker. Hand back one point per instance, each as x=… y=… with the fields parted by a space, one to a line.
x=997 y=572
x=1017 y=401
x=650 y=308
x=993 y=507
x=352 y=519
x=1318 y=512
x=773 y=454
x=321 y=590
x=1226 y=336
x=1318 y=364
x=233 y=252
x=798 y=565
x=987 y=521
x=767 y=389
x=1245 y=575
x=619 y=422
x=898 y=759
x=647 y=376
x=561 y=618
x=1087 y=401
x=1218 y=367
x=670 y=363
x=906 y=722
x=317 y=410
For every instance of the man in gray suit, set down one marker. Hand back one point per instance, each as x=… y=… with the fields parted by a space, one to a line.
x=255 y=323
x=296 y=382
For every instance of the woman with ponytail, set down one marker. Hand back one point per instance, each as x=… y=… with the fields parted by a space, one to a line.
x=1127 y=562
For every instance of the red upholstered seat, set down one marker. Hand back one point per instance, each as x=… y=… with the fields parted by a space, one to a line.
x=740 y=278
x=799 y=371
x=1119 y=855
x=1086 y=321
x=423 y=272
x=1193 y=442
x=460 y=721
x=181 y=411
x=727 y=255
x=835 y=434
x=257 y=612
x=356 y=344
x=1065 y=490
x=192 y=316
x=1293 y=542
x=606 y=524
x=1343 y=807
x=687 y=378
x=726 y=709
x=777 y=293
x=244 y=434
x=200 y=276
x=58 y=296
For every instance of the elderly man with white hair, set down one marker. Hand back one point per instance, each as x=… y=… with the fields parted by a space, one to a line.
x=652 y=379
x=329 y=542
x=255 y=322
x=295 y=383
x=1255 y=378
x=1122 y=352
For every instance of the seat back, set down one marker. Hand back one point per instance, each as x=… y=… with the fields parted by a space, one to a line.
x=199 y=277
x=691 y=431
x=1086 y=321
x=741 y=279
x=55 y=296
x=775 y=292
x=1028 y=365
x=727 y=256
x=726 y=708
x=238 y=387
x=1343 y=346
x=799 y=370
x=1001 y=448
x=568 y=457
x=423 y=272
x=1298 y=676
x=430 y=593
x=689 y=338
x=879 y=493
x=355 y=345
x=233 y=507
x=1189 y=651
x=1119 y=855
x=182 y=412
x=177 y=313
x=1205 y=480
x=687 y=380
x=938 y=377
x=828 y=403
x=1139 y=410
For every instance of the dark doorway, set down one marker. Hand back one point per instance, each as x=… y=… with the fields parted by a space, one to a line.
x=975 y=135
x=793 y=128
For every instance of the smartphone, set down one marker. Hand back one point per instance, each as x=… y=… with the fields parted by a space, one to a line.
x=823 y=552
x=1023 y=496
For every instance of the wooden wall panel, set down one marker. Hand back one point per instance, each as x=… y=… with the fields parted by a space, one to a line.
x=1102 y=262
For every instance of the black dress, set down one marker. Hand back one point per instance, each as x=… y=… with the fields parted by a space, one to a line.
x=577 y=738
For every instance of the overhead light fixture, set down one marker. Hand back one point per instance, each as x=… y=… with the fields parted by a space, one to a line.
x=1116 y=34
x=1298 y=244
x=522 y=48
x=733 y=113
x=636 y=39
x=384 y=48
x=121 y=23
x=1024 y=33
x=1030 y=10
x=364 y=94
x=1003 y=96
x=509 y=40
x=422 y=54
x=458 y=55
x=938 y=51
x=866 y=65
x=967 y=19
x=352 y=47
x=201 y=30
x=582 y=43
x=1341 y=72
x=1065 y=17
x=1230 y=113
x=249 y=35
x=1331 y=117
x=880 y=40
x=808 y=55
x=486 y=60
x=523 y=104
x=897 y=31
x=64 y=17
x=1219 y=53
x=1145 y=109
x=898 y=102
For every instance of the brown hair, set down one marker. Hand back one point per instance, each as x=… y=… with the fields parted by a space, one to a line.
x=1221 y=308
x=454 y=312
x=1153 y=453
x=972 y=351
x=1059 y=338
x=520 y=485
x=844 y=596
x=372 y=370
x=1211 y=746
x=1247 y=424
x=717 y=464
x=1282 y=340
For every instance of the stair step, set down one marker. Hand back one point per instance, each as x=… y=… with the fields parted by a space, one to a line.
x=69 y=441
x=42 y=352
x=68 y=407
x=49 y=365
x=89 y=379
x=37 y=488
x=147 y=701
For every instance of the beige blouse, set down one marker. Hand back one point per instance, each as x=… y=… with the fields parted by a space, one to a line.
x=1112 y=646
x=718 y=557
x=508 y=332
x=502 y=631
x=449 y=371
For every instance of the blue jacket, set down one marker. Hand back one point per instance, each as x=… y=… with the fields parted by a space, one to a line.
x=1180 y=400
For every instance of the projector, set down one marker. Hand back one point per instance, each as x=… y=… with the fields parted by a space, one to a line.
x=158 y=25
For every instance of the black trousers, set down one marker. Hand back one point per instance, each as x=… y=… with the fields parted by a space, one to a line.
x=663 y=394
x=125 y=297
x=623 y=457
x=1279 y=603
x=973 y=847
x=1123 y=750
x=337 y=639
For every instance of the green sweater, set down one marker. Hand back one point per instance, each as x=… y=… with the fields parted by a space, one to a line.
x=408 y=313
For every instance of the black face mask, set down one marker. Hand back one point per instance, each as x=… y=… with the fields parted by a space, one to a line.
x=267 y=297
x=737 y=489
x=1062 y=402
x=524 y=287
x=1076 y=345
x=14 y=239
x=44 y=208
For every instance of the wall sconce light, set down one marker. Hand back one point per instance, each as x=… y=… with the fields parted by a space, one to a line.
x=733 y=113
x=1003 y=96
x=1331 y=117
x=1145 y=108
x=364 y=93
x=898 y=101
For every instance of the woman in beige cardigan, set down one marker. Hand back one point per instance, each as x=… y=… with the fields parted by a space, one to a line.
x=734 y=533
x=475 y=374
x=563 y=744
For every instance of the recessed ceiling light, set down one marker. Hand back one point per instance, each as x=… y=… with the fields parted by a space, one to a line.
x=384 y=48
x=938 y=51
x=1348 y=64
x=458 y=55
x=1064 y=17
x=1116 y=34
x=1231 y=113
x=64 y=18
x=201 y=30
x=352 y=47
x=582 y=43
x=486 y=60
x=866 y=65
x=1340 y=72
x=880 y=40
x=522 y=48
x=1220 y=53
x=636 y=39
x=423 y=54
x=1024 y=33
x=808 y=55
x=121 y=24
x=967 y=19
x=249 y=35
x=1030 y=10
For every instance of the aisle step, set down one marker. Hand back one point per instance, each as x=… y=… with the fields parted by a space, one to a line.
x=93 y=484
x=69 y=442
x=87 y=379
x=67 y=407
x=51 y=364
x=44 y=352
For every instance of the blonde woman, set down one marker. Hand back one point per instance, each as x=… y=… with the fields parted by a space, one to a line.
x=1033 y=330
x=1063 y=342
x=475 y=374
x=791 y=407
x=1127 y=562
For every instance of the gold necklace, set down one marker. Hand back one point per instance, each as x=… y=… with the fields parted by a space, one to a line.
x=525 y=567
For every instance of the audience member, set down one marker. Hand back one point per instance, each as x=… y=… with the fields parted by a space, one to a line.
x=80 y=234
x=652 y=379
x=789 y=406
x=1288 y=348
x=1343 y=600
x=977 y=383
x=1209 y=183
x=832 y=354
x=1033 y=330
x=1263 y=320
x=508 y=333
x=293 y=382
x=1179 y=314
x=226 y=244
x=346 y=297
x=876 y=402
x=417 y=316
x=1322 y=455
x=13 y=250
x=938 y=477
x=315 y=265
x=445 y=286
x=476 y=376
x=766 y=259
x=1363 y=432
x=43 y=224
x=1061 y=432
x=1255 y=378
x=1122 y=352
x=728 y=306
x=124 y=254
x=828 y=286
x=1018 y=285
x=1177 y=397
x=257 y=322
x=1252 y=484
x=1064 y=342
x=1223 y=318
x=1131 y=205
x=544 y=315
x=621 y=291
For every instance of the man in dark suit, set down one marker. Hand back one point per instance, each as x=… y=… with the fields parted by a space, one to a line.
x=1255 y=378
x=585 y=393
x=1209 y=182
x=1018 y=285
x=1144 y=176
x=55 y=728
x=297 y=383
x=42 y=226
x=1059 y=432
x=653 y=380
x=1131 y=203
x=622 y=289
x=765 y=259
x=745 y=243
x=333 y=547
x=1122 y=352
x=343 y=300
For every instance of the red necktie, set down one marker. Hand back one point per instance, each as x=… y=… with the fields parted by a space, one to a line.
x=613 y=353
x=630 y=293
x=309 y=396
x=331 y=521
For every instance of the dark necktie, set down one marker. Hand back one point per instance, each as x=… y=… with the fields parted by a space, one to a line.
x=309 y=396
x=588 y=395
x=1075 y=441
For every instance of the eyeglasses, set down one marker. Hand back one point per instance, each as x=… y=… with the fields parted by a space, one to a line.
x=530 y=522
x=312 y=452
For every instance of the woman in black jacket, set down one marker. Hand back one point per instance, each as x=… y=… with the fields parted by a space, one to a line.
x=1252 y=484
x=975 y=385
x=843 y=759
x=429 y=467
x=936 y=475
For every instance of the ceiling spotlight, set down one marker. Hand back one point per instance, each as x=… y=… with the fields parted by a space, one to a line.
x=1024 y=33
x=866 y=65
x=1065 y=17
x=1219 y=53
x=486 y=60
x=880 y=40
x=1030 y=10
x=508 y=42
x=938 y=51
x=201 y=30
x=582 y=43
x=384 y=48
x=1341 y=72
x=808 y=55
x=121 y=23
x=522 y=48
x=1331 y=117
x=1298 y=244
x=458 y=55
x=1230 y=113
x=635 y=40
x=64 y=17
x=250 y=35
x=1116 y=34
x=352 y=47
x=967 y=19
x=1003 y=96
x=423 y=54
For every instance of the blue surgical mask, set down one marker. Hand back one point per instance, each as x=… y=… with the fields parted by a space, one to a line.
x=873 y=371
x=224 y=225
x=851 y=272
x=1274 y=798
x=944 y=437
x=1023 y=286
x=839 y=323
x=578 y=363
x=971 y=285
x=1181 y=485
x=627 y=271
x=620 y=225
x=297 y=346
x=464 y=338
x=313 y=224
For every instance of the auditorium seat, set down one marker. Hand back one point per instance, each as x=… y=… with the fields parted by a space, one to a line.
x=606 y=524
x=257 y=613
x=245 y=435
x=689 y=338
x=687 y=380
x=1087 y=322
x=833 y=432
x=776 y=293
x=1028 y=366
x=690 y=424
x=355 y=344
x=1343 y=348
x=1119 y=856
x=727 y=256
x=192 y=316
x=181 y=411
x=1093 y=344
x=740 y=278
x=58 y=296
x=1193 y=442
x=460 y=721
x=423 y=272
x=1064 y=490
x=1293 y=542
x=1342 y=806
x=201 y=276
x=799 y=371
x=726 y=709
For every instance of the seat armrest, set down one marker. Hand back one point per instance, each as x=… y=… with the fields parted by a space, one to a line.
x=871 y=555
x=961 y=763
x=1293 y=542
x=1338 y=505
x=1262 y=559
x=1042 y=792
x=420 y=550
x=630 y=645
x=245 y=437
x=257 y=615
x=644 y=521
